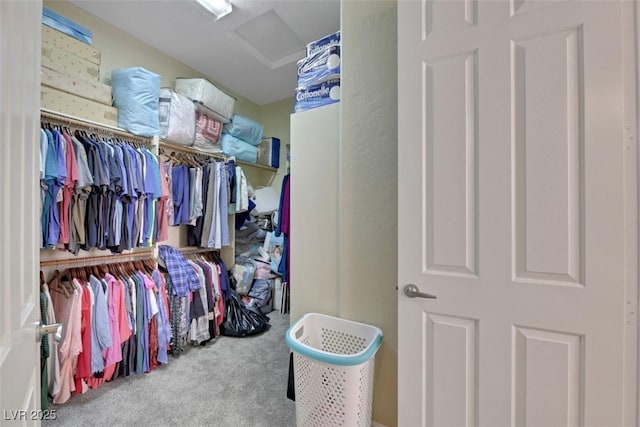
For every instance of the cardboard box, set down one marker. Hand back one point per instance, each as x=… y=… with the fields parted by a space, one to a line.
x=269 y=152
x=67 y=26
x=92 y=90
x=54 y=38
x=63 y=102
x=69 y=64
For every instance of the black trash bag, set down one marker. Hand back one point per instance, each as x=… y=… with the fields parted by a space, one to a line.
x=291 y=383
x=240 y=320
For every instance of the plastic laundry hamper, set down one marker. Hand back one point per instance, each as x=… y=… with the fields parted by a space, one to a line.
x=333 y=370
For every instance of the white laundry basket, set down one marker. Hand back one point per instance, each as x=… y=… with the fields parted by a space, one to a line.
x=333 y=370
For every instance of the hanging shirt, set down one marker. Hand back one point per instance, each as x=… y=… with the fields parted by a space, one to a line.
x=183 y=276
x=113 y=353
x=192 y=196
x=100 y=332
x=68 y=189
x=83 y=370
x=208 y=214
x=68 y=312
x=180 y=194
x=164 y=325
x=199 y=332
x=224 y=206
x=53 y=364
x=215 y=235
x=163 y=204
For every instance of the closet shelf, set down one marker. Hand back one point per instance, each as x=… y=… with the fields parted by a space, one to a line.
x=190 y=250
x=96 y=260
x=51 y=116
x=185 y=149
x=189 y=150
x=256 y=165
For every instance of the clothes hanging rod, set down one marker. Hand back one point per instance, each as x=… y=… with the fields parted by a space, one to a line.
x=194 y=250
x=98 y=260
x=50 y=116
x=167 y=147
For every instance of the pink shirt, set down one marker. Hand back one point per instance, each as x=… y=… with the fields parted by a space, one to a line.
x=113 y=354
x=163 y=203
x=69 y=312
x=69 y=188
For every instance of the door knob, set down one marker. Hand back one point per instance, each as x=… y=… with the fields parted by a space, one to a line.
x=53 y=328
x=412 y=291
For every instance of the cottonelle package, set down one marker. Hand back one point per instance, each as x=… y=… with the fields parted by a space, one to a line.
x=323 y=43
x=314 y=96
x=321 y=66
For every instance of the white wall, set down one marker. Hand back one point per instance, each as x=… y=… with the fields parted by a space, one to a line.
x=275 y=117
x=368 y=199
x=315 y=194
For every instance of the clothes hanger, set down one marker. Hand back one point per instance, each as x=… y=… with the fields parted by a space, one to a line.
x=83 y=275
x=65 y=282
x=150 y=265
x=119 y=270
x=56 y=286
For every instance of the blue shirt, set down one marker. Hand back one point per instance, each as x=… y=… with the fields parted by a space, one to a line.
x=180 y=193
x=100 y=331
x=164 y=326
x=183 y=276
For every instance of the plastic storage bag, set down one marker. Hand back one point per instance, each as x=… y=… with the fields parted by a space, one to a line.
x=232 y=146
x=135 y=94
x=245 y=129
x=177 y=118
x=243 y=273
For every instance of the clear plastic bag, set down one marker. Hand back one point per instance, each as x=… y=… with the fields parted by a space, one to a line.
x=243 y=272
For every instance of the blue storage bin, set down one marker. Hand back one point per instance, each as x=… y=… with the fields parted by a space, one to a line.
x=269 y=152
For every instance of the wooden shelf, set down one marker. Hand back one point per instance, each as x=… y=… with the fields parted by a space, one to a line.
x=184 y=149
x=221 y=156
x=51 y=116
x=256 y=165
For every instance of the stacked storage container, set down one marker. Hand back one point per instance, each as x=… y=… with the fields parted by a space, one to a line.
x=319 y=74
x=71 y=72
x=213 y=108
x=241 y=137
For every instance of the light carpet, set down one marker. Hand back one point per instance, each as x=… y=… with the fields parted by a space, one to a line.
x=233 y=382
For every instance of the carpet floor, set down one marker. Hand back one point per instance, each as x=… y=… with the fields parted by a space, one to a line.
x=234 y=382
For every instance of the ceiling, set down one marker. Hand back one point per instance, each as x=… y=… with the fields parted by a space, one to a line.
x=252 y=51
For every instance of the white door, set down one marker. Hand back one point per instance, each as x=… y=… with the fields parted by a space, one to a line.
x=19 y=180
x=517 y=198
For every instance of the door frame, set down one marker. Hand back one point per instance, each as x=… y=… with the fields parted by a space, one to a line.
x=631 y=65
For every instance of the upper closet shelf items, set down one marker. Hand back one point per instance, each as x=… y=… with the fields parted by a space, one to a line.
x=181 y=148
x=51 y=116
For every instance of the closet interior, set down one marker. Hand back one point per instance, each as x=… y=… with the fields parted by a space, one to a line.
x=161 y=209
x=127 y=295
